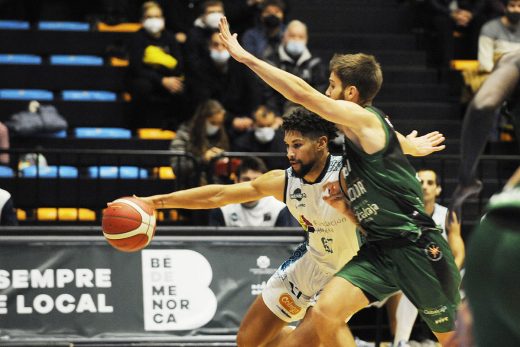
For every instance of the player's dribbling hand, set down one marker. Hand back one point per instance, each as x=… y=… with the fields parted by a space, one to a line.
x=231 y=43
x=146 y=200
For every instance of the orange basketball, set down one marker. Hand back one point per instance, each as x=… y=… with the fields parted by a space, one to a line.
x=128 y=224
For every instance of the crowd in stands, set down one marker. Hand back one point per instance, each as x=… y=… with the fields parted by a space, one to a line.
x=180 y=76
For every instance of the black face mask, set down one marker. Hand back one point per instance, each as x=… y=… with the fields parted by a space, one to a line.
x=513 y=17
x=271 y=21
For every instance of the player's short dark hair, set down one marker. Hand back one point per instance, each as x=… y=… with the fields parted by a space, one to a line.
x=251 y=163
x=359 y=70
x=309 y=124
x=437 y=176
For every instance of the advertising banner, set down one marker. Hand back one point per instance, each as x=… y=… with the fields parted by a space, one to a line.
x=84 y=287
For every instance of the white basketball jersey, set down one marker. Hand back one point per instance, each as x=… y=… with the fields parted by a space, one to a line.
x=439 y=217
x=264 y=214
x=333 y=239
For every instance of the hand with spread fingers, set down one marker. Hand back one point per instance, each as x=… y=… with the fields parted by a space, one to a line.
x=426 y=144
x=231 y=42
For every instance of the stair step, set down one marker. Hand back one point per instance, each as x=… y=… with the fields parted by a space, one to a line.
x=424 y=111
x=414 y=93
x=450 y=128
x=340 y=41
x=385 y=58
x=354 y=18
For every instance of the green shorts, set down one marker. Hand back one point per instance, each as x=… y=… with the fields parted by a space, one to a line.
x=491 y=281
x=424 y=270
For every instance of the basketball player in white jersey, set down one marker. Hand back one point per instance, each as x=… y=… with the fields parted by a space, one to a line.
x=332 y=237
x=406 y=313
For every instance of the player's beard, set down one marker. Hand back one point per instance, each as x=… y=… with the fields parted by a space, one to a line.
x=304 y=169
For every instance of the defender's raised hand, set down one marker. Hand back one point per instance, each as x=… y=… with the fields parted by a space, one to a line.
x=426 y=144
x=231 y=43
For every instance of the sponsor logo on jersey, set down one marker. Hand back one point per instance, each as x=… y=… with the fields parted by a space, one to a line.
x=434 y=311
x=288 y=303
x=234 y=217
x=442 y=320
x=297 y=195
x=267 y=217
x=433 y=251
x=306 y=224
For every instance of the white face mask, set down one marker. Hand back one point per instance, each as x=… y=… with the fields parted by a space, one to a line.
x=264 y=135
x=211 y=129
x=295 y=47
x=219 y=57
x=213 y=19
x=153 y=25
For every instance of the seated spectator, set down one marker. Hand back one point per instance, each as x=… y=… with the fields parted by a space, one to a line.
x=156 y=73
x=4 y=144
x=200 y=34
x=264 y=39
x=229 y=82
x=497 y=37
x=203 y=136
x=7 y=212
x=242 y=14
x=266 y=212
x=265 y=136
x=461 y=16
x=293 y=56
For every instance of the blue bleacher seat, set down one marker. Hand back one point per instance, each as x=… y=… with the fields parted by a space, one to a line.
x=6 y=171
x=50 y=172
x=88 y=95
x=102 y=133
x=25 y=94
x=91 y=60
x=58 y=134
x=123 y=172
x=25 y=59
x=64 y=26
x=14 y=25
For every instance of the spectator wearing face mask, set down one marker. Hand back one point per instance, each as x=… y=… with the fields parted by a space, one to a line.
x=264 y=39
x=200 y=34
x=293 y=56
x=203 y=136
x=499 y=36
x=264 y=136
x=156 y=80
x=229 y=82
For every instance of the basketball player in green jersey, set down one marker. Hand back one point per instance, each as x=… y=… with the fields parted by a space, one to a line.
x=492 y=266
x=404 y=250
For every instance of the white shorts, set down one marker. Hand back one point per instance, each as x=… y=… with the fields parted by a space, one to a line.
x=295 y=286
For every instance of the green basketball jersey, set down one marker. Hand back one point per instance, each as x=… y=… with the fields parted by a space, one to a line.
x=383 y=189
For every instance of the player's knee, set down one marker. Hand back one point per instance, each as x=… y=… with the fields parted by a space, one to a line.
x=324 y=319
x=247 y=338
